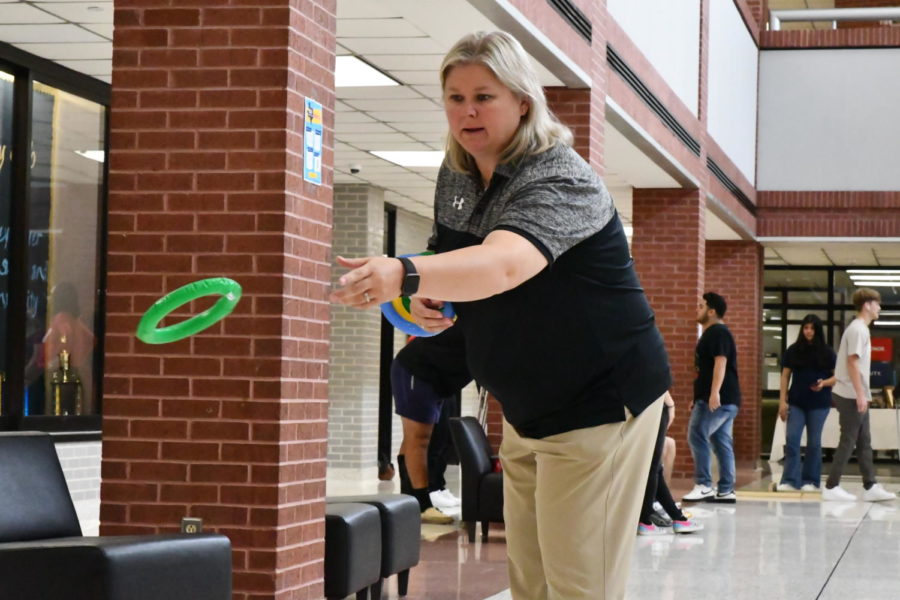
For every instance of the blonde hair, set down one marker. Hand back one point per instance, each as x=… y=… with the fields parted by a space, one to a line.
x=863 y=295
x=503 y=55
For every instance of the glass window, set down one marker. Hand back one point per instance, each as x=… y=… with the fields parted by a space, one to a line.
x=62 y=253
x=798 y=314
x=6 y=127
x=885 y=280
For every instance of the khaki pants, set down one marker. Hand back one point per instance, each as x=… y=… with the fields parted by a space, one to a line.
x=571 y=505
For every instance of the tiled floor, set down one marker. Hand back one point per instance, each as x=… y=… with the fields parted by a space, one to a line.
x=767 y=546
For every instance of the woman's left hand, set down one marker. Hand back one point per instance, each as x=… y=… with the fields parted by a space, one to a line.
x=373 y=280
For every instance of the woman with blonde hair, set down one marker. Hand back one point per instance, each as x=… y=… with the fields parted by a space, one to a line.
x=530 y=250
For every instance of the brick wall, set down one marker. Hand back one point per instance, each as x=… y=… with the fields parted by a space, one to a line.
x=853 y=37
x=205 y=180
x=355 y=338
x=669 y=253
x=80 y=463
x=573 y=108
x=829 y=214
x=734 y=269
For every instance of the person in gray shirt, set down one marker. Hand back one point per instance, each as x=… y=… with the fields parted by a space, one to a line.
x=532 y=254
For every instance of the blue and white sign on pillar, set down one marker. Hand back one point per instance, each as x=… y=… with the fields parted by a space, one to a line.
x=312 y=142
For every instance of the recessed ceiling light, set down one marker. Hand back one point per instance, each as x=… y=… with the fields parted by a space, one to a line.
x=409 y=158
x=889 y=284
x=350 y=71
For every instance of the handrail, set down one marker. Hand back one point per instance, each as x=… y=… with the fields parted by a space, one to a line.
x=832 y=14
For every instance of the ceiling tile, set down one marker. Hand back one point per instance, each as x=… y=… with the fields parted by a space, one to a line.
x=375 y=127
x=416 y=77
x=368 y=139
x=386 y=91
x=411 y=104
x=407 y=62
x=366 y=9
x=20 y=13
x=396 y=27
x=431 y=126
x=376 y=45
x=106 y=30
x=352 y=116
x=60 y=33
x=100 y=50
x=417 y=116
x=81 y=12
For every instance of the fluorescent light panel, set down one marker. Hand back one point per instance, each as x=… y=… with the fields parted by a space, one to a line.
x=410 y=158
x=861 y=277
x=887 y=323
x=874 y=271
x=877 y=283
x=350 y=71
x=97 y=155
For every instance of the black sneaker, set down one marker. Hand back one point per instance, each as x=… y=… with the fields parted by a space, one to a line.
x=660 y=520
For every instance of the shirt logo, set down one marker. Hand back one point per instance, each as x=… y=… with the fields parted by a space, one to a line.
x=458 y=202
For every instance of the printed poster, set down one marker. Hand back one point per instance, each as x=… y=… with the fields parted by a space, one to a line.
x=312 y=142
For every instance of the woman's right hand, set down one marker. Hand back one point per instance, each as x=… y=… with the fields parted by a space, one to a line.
x=427 y=314
x=782 y=411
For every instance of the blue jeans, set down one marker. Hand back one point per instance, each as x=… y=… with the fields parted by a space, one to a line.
x=814 y=421
x=713 y=427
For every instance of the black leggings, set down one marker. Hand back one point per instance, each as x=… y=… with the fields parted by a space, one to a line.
x=657 y=489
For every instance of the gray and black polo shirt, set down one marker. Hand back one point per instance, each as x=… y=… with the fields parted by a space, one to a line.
x=576 y=344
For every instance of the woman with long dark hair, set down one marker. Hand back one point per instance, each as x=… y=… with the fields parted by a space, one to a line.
x=808 y=364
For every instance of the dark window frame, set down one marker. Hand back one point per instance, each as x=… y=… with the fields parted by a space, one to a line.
x=26 y=68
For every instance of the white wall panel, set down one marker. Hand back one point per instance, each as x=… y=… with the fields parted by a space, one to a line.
x=668 y=33
x=733 y=68
x=828 y=120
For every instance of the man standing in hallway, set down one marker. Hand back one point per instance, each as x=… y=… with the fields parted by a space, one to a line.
x=717 y=398
x=851 y=395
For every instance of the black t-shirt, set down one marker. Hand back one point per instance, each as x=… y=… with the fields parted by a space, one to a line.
x=576 y=344
x=440 y=360
x=807 y=366
x=716 y=341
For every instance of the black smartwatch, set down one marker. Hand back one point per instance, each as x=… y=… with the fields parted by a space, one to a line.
x=410 y=284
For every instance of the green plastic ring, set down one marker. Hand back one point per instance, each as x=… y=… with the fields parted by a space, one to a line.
x=229 y=289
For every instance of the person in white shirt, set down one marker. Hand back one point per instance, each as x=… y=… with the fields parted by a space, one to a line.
x=851 y=396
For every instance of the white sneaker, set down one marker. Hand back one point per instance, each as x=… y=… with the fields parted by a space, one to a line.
x=785 y=487
x=837 y=494
x=444 y=499
x=699 y=493
x=876 y=493
x=809 y=487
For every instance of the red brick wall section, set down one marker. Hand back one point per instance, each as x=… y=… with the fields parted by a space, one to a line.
x=573 y=107
x=205 y=180
x=734 y=269
x=600 y=20
x=854 y=37
x=828 y=214
x=494 y=424
x=668 y=249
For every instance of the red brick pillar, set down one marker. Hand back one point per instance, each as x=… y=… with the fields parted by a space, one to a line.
x=206 y=147
x=668 y=246
x=734 y=269
x=573 y=108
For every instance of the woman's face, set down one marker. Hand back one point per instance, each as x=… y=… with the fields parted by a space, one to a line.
x=809 y=331
x=483 y=114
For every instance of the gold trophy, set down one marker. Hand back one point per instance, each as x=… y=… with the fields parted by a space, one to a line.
x=889 y=396
x=66 y=387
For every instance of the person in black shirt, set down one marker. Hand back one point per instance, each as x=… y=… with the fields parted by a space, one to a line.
x=808 y=364
x=717 y=398
x=425 y=375
x=532 y=254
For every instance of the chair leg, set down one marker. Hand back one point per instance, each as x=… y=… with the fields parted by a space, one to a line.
x=484 y=530
x=362 y=594
x=403 y=582
x=374 y=591
x=470 y=529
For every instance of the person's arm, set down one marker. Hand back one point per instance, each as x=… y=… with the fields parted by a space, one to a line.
x=717 y=378
x=862 y=398
x=670 y=406
x=503 y=261
x=823 y=383
x=783 y=396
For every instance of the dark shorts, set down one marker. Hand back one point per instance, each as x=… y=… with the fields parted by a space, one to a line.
x=414 y=398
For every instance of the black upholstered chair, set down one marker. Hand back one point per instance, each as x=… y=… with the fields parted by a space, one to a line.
x=482 y=488
x=352 y=549
x=43 y=554
x=401 y=536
